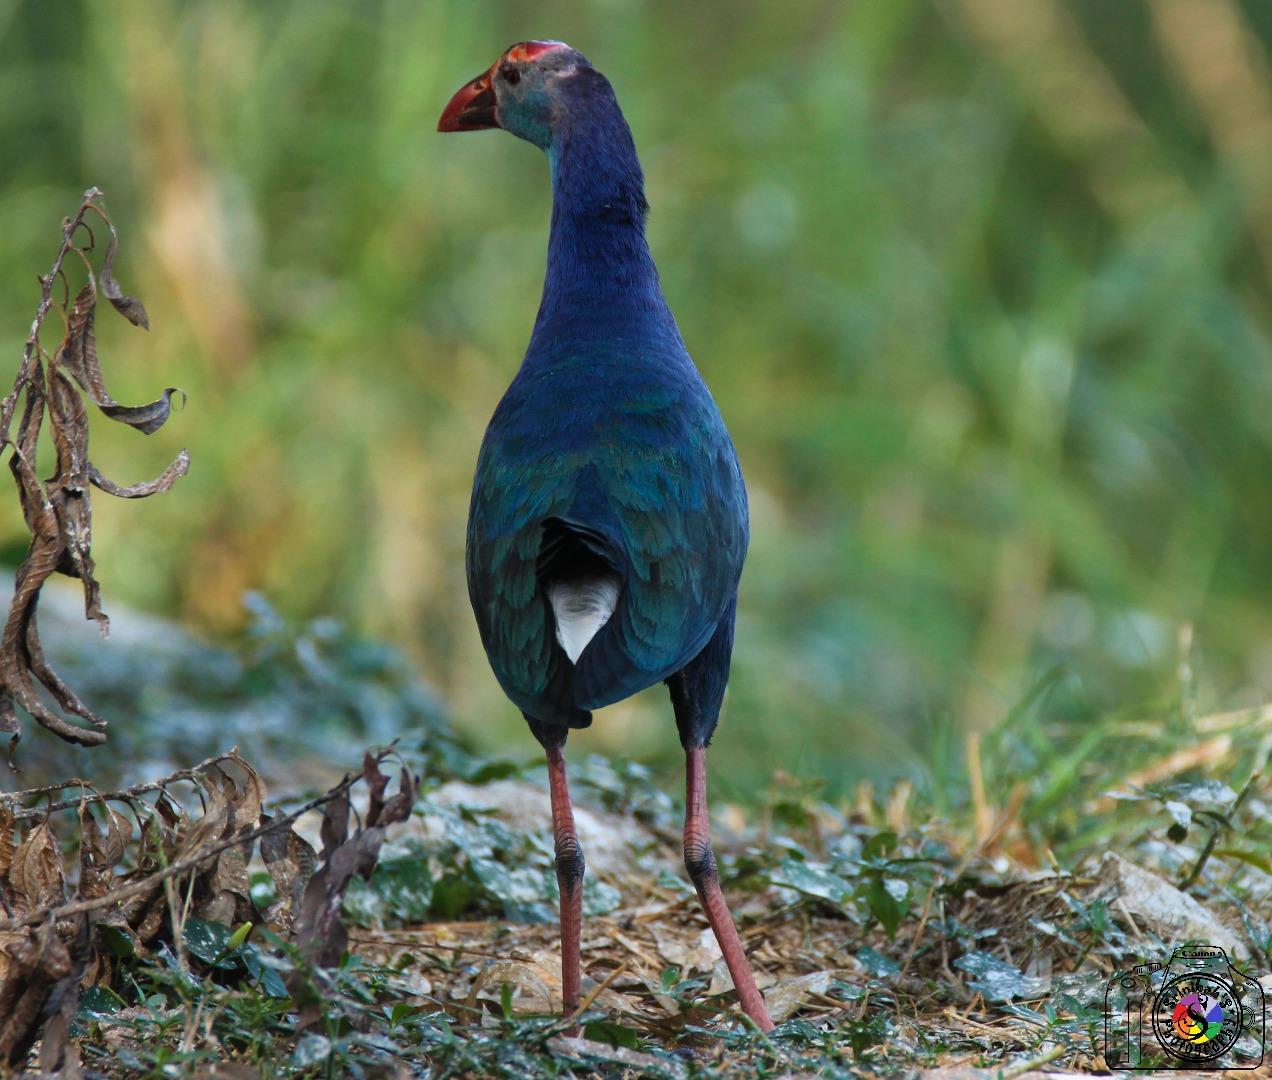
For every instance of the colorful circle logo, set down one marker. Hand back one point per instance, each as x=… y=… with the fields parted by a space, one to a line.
x=1197 y=1019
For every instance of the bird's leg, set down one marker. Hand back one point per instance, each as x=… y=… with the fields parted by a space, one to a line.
x=569 y=871
x=701 y=864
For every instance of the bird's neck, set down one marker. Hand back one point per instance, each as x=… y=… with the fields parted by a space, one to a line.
x=599 y=266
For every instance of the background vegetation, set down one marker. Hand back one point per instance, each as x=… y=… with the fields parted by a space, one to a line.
x=982 y=287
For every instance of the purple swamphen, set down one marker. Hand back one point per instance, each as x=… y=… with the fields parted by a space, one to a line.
x=608 y=523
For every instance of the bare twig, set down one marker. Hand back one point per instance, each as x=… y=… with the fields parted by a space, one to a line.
x=92 y=796
x=918 y=932
x=596 y=992
x=1034 y=1063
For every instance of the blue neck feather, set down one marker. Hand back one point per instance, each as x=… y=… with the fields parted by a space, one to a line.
x=600 y=272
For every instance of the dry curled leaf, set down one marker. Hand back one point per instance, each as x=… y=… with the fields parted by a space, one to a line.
x=8 y=848
x=59 y=1055
x=79 y=357
x=246 y=798
x=532 y=993
x=42 y=982
x=226 y=892
x=36 y=874
x=100 y=851
x=785 y=998
x=58 y=510
x=290 y=861
x=319 y=931
x=129 y=307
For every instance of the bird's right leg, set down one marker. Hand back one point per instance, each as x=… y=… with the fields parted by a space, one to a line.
x=701 y=864
x=569 y=872
x=697 y=692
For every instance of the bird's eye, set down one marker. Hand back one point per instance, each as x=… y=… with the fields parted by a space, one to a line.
x=510 y=74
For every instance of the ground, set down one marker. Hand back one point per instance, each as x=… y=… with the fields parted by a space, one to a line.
x=905 y=930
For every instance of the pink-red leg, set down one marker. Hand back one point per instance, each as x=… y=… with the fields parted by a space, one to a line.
x=701 y=864
x=569 y=871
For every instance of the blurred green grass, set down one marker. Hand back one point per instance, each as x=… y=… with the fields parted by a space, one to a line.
x=980 y=285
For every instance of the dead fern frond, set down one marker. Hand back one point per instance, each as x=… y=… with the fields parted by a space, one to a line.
x=58 y=510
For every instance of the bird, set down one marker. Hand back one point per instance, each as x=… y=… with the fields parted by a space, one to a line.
x=608 y=523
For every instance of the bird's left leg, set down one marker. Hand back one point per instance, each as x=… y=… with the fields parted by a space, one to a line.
x=569 y=871
x=701 y=864
x=697 y=691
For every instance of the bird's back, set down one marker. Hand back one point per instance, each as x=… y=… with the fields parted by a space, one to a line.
x=606 y=475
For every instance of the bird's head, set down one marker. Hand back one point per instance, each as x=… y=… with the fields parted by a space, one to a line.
x=521 y=92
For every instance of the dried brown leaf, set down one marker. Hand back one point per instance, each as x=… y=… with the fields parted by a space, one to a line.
x=8 y=847
x=213 y=824
x=99 y=969
x=153 y=918
x=247 y=798
x=225 y=891
x=36 y=874
x=200 y=853
x=133 y=912
x=376 y=782
x=42 y=982
x=7 y=938
x=79 y=343
x=530 y=984
x=36 y=961
x=785 y=998
x=161 y=483
x=100 y=851
x=94 y=875
x=129 y=307
x=59 y=1056
x=118 y=832
x=687 y=947
x=318 y=930
x=79 y=355
x=335 y=824
x=397 y=808
x=145 y=418
x=228 y=1070
x=151 y=850
x=169 y=810
x=290 y=861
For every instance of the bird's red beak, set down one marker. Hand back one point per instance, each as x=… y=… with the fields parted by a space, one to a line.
x=472 y=108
